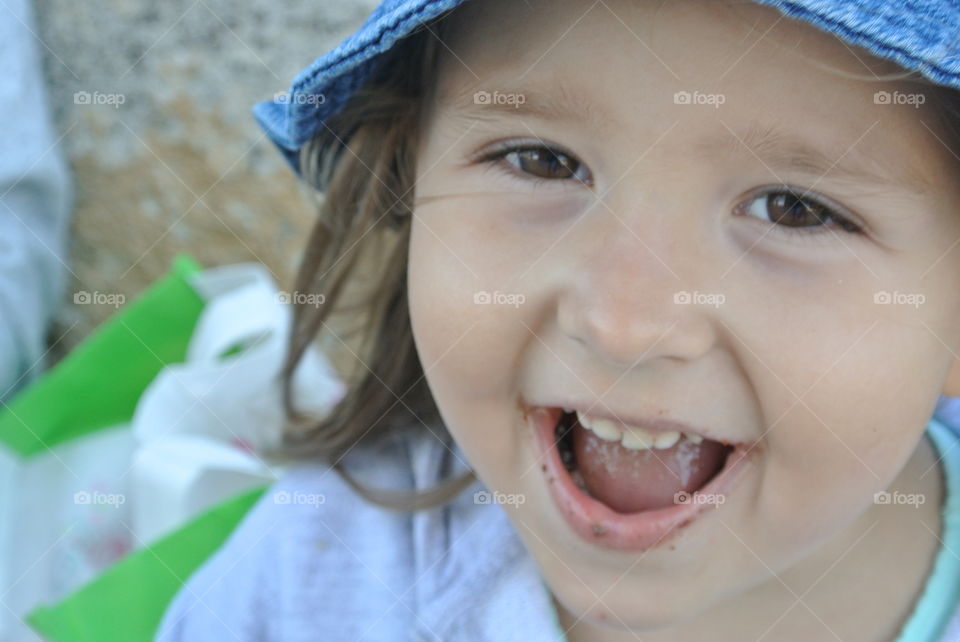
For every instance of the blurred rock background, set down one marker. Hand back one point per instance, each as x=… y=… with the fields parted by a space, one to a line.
x=176 y=163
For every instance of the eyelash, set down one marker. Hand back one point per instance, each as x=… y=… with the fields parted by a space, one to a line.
x=495 y=159
x=830 y=214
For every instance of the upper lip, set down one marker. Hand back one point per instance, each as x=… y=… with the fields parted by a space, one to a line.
x=653 y=424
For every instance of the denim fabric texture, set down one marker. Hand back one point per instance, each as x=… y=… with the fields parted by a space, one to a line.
x=920 y=35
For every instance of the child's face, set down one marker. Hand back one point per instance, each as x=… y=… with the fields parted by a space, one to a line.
x=784 y=339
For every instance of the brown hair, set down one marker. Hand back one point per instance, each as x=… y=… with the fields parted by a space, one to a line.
x=364 y=160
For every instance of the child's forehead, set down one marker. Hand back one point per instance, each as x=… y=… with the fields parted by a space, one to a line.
x=604 y=61
x=521 y=38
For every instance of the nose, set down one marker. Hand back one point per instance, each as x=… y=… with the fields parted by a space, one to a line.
x=631 y=299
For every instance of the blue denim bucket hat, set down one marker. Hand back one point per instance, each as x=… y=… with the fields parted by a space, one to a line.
x=920 y=35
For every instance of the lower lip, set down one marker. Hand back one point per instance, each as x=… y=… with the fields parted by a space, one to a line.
x=598 y=524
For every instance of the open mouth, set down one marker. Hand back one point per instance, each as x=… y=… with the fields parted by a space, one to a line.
x=628 y=497
x=630 y=480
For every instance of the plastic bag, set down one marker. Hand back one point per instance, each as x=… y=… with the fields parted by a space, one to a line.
x=126 y=465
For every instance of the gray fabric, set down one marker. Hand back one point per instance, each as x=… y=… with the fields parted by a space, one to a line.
x=348 y=570
x=35 y=200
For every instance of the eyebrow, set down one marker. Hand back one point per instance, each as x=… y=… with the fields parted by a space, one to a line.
x=846 y=164
x=776 y=149
x=561 y=105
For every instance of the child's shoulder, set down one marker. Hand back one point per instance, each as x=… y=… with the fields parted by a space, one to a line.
x=313 y=553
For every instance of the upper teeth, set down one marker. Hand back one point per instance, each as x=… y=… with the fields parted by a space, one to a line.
x=633 y=437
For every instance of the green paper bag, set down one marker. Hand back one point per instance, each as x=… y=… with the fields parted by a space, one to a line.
x=98 y=384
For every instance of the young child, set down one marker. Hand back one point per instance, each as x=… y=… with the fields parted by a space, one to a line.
x=676 y=281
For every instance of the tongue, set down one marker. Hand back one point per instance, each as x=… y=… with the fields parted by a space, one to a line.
x=634 y=480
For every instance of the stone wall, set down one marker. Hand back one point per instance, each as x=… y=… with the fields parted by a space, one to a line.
x=180 y=165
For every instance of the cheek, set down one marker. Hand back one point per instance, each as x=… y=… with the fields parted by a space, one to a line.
x=467 y=340
x=864 y=400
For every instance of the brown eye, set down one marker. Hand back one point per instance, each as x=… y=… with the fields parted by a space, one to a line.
x=787 y=209
x=544 y=163
x=539 y=163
